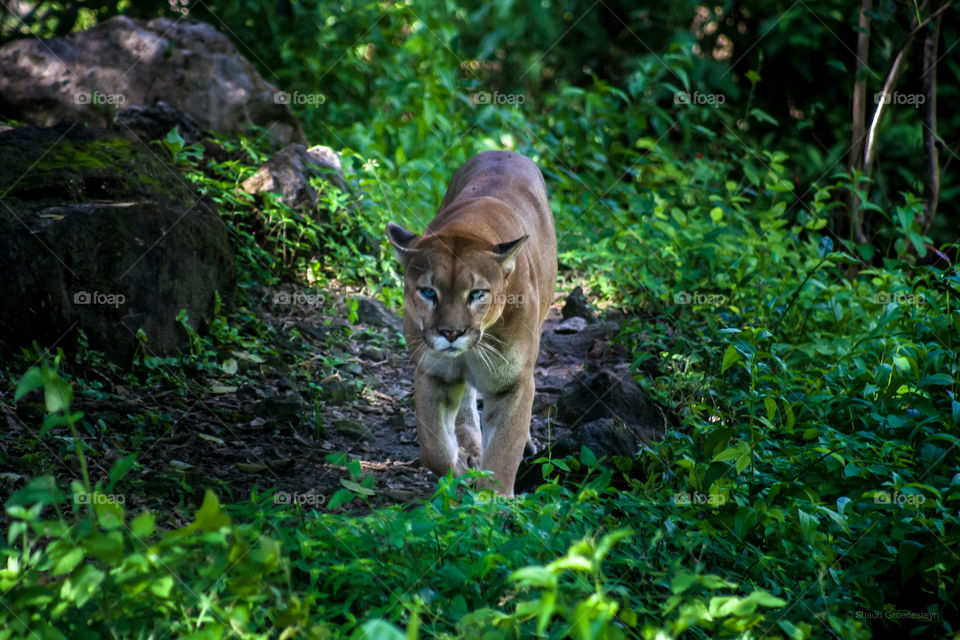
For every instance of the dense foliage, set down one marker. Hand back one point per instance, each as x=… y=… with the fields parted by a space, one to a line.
x=811 y=484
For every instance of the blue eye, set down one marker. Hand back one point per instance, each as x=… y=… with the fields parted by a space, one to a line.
x=477 y=295
x=428 y=293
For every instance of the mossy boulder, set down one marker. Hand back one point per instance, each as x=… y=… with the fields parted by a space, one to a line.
x=99 y=233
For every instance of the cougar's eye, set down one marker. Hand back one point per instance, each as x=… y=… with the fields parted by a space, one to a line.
x=478 y=295
x=428 y=294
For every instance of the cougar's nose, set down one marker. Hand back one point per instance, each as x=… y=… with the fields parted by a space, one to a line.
x=450 y=334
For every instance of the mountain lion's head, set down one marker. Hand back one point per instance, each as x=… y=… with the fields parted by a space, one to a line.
x=454 y=287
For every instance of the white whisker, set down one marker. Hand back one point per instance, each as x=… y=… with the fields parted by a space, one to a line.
x=492 y=349
x=483 y=356
x=492 y=337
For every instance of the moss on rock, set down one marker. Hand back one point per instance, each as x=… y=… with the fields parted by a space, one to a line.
x=71 y=163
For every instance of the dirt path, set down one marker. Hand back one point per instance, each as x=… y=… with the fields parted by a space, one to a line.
x=262 y=434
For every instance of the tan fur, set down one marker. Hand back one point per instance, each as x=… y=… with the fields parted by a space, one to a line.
x=494 y=232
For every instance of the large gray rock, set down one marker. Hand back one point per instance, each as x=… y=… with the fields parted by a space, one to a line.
x=576 y=306
x=288 y=173
x=575 y=346
x=146 y=124
x=607 y=393
x=89 y=75
x=606 y=437
x=97 y=233
x=373 y=312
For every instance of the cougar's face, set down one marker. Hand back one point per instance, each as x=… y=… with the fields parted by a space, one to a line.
x=453 y=298
x=454 y=288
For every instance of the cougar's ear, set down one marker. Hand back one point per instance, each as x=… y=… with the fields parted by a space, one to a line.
x=506 y=253
x=401 y=239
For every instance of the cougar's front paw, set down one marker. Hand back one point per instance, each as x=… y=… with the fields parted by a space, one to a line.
x=468 y=459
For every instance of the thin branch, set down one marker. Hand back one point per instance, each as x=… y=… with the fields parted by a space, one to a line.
x=932 y=173
x=870 y=152
x=890 y=84
x=859 y=114
x=933 y=16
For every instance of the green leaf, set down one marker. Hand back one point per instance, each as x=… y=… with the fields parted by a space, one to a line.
x=82 y=586
x=119 y=469
x=713 y=582
x=52 y=421
x=142 y=525
x=606 y=543
x=105 y=546
x=337 y=459
x=587 y=457
x=356 y=487
x=354 y=468
x=681 y=582
x=69 y=561
x=39 y=491
x=378 y=630
x=110 y=513
x=534 y=577
x=808 y=526
x=765 y=599
x=791 y=630
x=57 y=395
x=342 y=496
x=771 y=406
x=743 y=461
x=937 y=379
x=162 y=587
x=730 y=357
x=763 y=116
x=174 y=141
x=730 y=453
x=209 y=517
x=837 y=64
x=722 y=606
x=32 y=379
